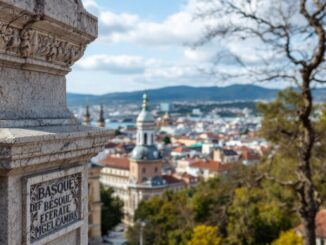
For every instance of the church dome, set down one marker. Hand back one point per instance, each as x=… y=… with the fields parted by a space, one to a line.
x=145 y=116
x=145 y=152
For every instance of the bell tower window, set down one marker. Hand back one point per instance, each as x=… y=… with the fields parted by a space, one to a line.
x=145 y=139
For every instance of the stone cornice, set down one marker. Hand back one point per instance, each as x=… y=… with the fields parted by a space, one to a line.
x=33 y=146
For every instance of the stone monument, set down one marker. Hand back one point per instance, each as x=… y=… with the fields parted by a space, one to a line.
x=44 y=150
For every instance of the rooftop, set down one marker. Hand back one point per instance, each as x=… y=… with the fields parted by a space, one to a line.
x=210 y=165
x=181 y=150
x=321 y=223
x=116 y=162
x=171 y=179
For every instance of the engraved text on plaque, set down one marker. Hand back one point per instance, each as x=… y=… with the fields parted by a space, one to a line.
x=54 y=205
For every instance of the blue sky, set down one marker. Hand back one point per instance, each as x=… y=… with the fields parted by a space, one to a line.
x=141 y=45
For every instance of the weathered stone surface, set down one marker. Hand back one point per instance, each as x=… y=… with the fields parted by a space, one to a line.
x=30 y=94
x=40 y=140
x=39 y=41
x=24 y=147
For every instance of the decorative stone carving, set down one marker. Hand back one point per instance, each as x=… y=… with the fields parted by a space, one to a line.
x=12 y=39
x=28 y=43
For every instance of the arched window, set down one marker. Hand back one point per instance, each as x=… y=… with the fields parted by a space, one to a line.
x=145 y=139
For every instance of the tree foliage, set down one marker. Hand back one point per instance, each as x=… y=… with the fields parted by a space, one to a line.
x=288 y=40
x=167 y=140
x=239 y=212
x=288 y=238
x=254 y=218
x=205 y=235
x=112 y=210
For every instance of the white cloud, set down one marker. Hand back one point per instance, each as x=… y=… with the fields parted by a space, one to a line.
x=122 y=64
x=176 y=29
x=112 y=23
x=135 y=67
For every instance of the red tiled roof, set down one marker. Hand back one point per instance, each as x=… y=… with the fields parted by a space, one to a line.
x=247 y=153
x=116 y=162
x=181 y=150
x=171 y=179
x=211 y=135
x=186 y=175
x=321 y=223
x=210 y=165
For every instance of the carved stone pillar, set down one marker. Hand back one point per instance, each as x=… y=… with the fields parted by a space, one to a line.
x=43 y=149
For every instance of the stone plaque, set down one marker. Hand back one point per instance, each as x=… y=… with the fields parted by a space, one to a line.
x=53 y=204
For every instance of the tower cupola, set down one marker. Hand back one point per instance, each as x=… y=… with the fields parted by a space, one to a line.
x=145 y=140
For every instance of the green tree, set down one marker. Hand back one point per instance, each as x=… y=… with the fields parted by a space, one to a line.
x=288 y=238
x=280 y=126
x=169 y=220
x=243 y=211
x=112 y=210
x=255 y=219
x=293 y=32
x=167 y=140
x=117 y=132
x=205 y=235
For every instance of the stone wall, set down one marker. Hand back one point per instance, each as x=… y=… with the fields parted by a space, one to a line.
x=44 y=150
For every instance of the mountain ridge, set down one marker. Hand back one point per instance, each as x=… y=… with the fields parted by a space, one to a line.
x=236 y=92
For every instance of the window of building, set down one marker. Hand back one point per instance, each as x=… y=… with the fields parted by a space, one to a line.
x=145 y=139
x=156 y=169
x=152 y=138
x=144 y=170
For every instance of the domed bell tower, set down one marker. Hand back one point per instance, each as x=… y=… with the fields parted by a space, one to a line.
x=145 y=159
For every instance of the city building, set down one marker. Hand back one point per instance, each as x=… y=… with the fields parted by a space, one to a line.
x=207 y=169
x=225 y=155
x=166 y=107
x=183 y=165
x=139 y=177
x=164 y=121
x=180 y=152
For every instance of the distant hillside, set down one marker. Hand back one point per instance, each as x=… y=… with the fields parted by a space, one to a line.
x=185 y=93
